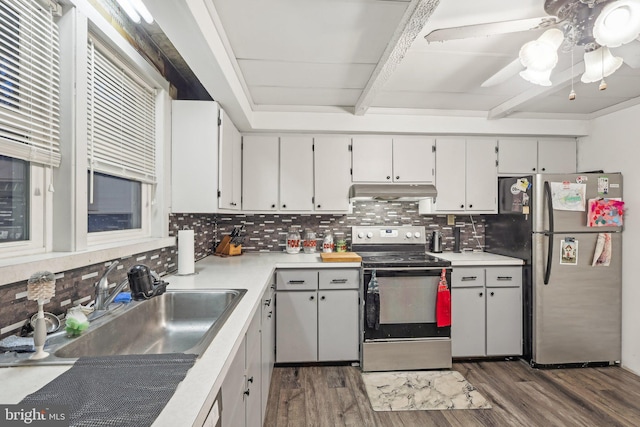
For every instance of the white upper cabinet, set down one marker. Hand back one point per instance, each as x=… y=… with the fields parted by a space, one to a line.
x=296 y=173
x=466 y=175
x=393 y=159
x=332 y=173
x=194 y=156
x=413 y=159
x=557 y=155
x=230 y=164
x=536 y=155
x=372 y=159
x=260 y=156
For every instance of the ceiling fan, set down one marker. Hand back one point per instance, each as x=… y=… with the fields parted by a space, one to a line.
x=596 y=25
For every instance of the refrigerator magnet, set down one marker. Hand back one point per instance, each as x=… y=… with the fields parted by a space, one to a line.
x=569 y=251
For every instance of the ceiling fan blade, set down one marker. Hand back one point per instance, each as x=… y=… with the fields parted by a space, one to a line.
x=483 y=30
x=629 y=52
x=513 y=68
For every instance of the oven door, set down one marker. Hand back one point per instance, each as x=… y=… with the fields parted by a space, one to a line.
x=407 y=304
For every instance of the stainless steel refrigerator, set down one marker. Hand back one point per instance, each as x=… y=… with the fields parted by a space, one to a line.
x=572 y=309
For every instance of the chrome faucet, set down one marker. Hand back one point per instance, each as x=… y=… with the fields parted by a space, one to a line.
x=103 y=296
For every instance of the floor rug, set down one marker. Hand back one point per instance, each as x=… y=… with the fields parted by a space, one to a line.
x=421 y=390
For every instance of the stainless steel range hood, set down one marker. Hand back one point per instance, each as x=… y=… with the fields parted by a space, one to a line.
x=399 y=192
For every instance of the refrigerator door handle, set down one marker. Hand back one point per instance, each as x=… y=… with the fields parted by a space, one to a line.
x=549 y=235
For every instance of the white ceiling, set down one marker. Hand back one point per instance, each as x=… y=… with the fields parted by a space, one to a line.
x=362 y=56
x=292 y=55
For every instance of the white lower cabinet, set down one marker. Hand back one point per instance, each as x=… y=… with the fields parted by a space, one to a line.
x=317 y=315
x=486 y=311
x=245 y=389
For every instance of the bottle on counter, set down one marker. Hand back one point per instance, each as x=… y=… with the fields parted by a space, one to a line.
x=293 y=241
x=309 y=244
x=327 y=243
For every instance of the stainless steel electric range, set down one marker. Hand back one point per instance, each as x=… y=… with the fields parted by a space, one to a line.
x=399 y=330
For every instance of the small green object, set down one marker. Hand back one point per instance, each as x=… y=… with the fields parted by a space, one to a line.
x=75 y=328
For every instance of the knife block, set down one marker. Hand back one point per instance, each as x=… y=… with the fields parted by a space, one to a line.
x=226 y=248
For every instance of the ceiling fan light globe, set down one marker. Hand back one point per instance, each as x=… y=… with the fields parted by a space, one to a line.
x=541 y=78
x=618 y=23
x=539 y=56
x=598 y=64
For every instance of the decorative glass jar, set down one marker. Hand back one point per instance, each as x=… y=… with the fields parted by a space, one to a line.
x=293 y=242
x=310 y=242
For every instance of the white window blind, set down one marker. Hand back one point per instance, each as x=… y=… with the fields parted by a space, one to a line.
x=29 y=83
x=121 y=118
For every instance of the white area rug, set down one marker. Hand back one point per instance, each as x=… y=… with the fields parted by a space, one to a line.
x=421 y=390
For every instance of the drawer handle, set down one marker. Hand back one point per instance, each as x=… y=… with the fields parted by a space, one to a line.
x=295 y=282
x=505 y=278
x=467 y=278
x=339 y=280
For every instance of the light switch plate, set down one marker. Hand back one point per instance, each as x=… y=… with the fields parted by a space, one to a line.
x=451 y=220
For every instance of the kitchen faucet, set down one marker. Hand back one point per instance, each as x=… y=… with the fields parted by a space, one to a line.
x=103 y=297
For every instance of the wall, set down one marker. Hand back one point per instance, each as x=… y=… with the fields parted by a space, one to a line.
x=613 y=146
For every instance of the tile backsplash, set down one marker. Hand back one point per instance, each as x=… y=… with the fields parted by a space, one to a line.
x=264 y=232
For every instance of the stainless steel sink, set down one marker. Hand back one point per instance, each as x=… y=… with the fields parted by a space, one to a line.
x=174 y=322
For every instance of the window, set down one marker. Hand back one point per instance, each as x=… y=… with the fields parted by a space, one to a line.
x=117 y=204
x=121 y=143
x=14 y=200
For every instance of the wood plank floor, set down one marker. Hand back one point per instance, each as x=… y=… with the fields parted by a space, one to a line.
x=520 y=396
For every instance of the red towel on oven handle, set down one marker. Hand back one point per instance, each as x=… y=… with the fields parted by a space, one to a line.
x=443 y=304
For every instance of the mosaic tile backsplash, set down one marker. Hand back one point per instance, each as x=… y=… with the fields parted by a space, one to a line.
x=264 y=233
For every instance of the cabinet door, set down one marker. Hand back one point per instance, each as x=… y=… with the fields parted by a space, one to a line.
x=372 y=159
x=557 y=155
x=194 y=178
x=233 y=387
x=297 y=327
x=230 y=164
x=268 y=337
x=450 y=174
x=518 y=156
x=260 y=173
x=338 y=325
x=296 y=173
x=253 y=386
x=467 y=322
x=482 y=176
x=504 y=321
x=413 y=159
x=332 y=169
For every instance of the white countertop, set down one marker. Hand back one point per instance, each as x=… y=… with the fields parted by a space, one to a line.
x=463 y=259
x=251 y=272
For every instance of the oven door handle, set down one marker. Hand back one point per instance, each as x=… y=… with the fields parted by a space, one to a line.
x=430 y=269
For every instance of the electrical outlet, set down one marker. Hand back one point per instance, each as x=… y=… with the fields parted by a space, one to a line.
x=451 y=220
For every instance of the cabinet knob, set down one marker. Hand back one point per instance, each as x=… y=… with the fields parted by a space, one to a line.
x=534 y=169
x=388 y=177
x=246 y=392
x=398 y=177
x=267 y=302
x=491 y=294
x=322 y=298
x=480 y=294
x=311 y=298
x=462 y=206
x=273 y=206
x=544 y=169
x=319 y=206
x=250 y=380
x=470 y=206
x=269 y=315
x=284 y=206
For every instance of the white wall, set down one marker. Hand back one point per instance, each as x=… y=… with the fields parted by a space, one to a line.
x=613 y=145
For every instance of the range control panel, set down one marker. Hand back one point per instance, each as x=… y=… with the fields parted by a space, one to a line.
x=408 y=234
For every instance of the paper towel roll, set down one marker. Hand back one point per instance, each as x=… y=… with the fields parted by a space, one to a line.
x=186 y=252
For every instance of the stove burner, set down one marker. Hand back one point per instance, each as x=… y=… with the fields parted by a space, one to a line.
x=383 y=258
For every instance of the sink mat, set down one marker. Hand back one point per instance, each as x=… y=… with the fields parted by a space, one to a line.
x=118 y=391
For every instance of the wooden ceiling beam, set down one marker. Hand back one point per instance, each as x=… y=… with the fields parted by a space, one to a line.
x=416 y=16
x=559 y=81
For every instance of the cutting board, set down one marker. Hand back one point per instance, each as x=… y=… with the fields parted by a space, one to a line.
x=340 y=257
